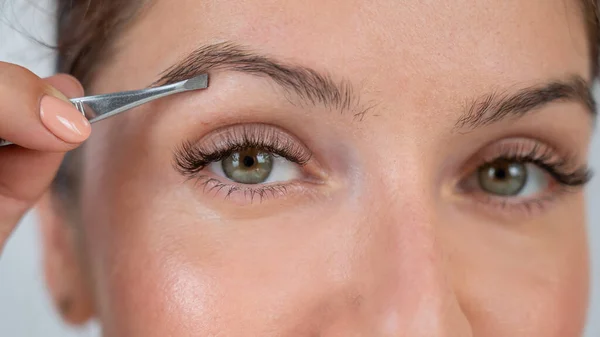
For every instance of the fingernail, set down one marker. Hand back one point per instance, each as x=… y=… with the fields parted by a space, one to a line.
x=63 y=120
x=52 y=91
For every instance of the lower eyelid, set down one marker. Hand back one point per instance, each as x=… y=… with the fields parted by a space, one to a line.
x=213 y=182
x=516 y=208
x=242 y=194
x=510 y=209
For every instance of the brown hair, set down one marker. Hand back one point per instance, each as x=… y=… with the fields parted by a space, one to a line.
x=85 y=31
x=592 y=15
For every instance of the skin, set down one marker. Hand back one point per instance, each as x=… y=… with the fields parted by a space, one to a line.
x=385 y=245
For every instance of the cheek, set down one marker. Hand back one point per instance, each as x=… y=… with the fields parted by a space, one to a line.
x=150 y=294
x=536 y=283
x=149 y=274
x=207 y=278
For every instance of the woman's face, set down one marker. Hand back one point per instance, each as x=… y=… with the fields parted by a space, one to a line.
x=355 y=168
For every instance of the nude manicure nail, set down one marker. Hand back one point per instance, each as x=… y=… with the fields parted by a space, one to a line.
x=63 y=120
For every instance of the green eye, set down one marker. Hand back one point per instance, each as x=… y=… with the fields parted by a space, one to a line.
x=503 y=177
x=248 y=166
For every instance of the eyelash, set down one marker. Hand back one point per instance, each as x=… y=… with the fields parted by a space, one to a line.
x=559 y=168
x=191 y=158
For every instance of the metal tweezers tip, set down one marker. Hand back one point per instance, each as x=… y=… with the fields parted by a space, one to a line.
x=198 y=82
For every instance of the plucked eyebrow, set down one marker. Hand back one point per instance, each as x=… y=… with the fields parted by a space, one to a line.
x=308 y=84
x=497 y=106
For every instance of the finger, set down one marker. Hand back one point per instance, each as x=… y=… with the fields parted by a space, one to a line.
x=24 y=176
x=36 y=115
x=66 y=84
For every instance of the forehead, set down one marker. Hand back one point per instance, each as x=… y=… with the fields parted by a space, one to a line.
x=449 y=43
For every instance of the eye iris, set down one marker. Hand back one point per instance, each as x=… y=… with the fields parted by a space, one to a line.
x=248 y=166
x=502 y=177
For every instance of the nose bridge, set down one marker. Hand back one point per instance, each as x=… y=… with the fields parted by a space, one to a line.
x=411 y=285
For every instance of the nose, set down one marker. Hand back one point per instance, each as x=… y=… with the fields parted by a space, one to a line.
x=414 y=294
x=405 y=284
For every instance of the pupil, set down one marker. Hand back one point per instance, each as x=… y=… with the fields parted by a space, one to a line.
x=248 y=161
x=500 y=174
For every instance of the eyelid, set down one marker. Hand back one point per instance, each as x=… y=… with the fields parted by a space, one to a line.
x=192 y=157
x=256 y=134
x=511 y=207
x=515 y=148
x=523 y=148
x=241 y=194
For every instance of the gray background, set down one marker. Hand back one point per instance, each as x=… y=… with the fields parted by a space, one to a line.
x=25 y=309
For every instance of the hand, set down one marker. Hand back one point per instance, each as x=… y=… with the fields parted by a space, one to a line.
x=36 y=116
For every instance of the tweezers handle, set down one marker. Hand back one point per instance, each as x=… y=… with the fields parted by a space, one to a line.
x=99 y=107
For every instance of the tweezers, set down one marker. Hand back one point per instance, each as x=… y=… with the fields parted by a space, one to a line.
x=99 y=107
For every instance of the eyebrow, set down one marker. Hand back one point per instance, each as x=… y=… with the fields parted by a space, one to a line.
x=308 y=84
x=318 y=88
x=497 y=106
